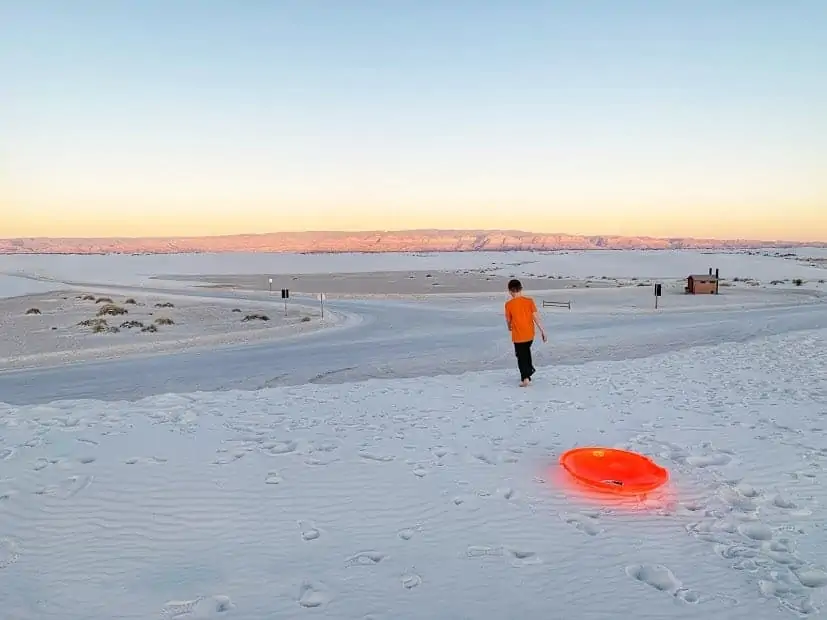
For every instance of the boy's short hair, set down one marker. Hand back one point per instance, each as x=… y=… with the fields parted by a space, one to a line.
x=515 y=286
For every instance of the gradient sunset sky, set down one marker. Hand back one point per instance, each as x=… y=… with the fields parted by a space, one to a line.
x=159 y=117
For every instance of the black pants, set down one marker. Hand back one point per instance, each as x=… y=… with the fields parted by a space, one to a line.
x=523 y=352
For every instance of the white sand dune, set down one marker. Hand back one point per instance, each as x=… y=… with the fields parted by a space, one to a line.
x=428 y=497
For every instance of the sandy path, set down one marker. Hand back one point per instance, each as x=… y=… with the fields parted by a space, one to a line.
x=64 y=327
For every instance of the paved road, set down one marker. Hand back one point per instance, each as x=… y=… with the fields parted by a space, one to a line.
x=395 y=340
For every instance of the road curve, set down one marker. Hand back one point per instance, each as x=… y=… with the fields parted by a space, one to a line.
x=397 y=340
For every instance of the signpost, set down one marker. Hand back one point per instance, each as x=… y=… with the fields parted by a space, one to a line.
x=321 y=303
x=658 y=291
x=270 y=280
x=285 y=295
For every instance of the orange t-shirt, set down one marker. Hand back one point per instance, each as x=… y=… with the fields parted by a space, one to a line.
x=519 y=312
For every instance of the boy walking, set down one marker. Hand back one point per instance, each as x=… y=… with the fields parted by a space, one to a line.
x=521 y=316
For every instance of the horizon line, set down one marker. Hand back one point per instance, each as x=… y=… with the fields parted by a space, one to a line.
x=516 y=232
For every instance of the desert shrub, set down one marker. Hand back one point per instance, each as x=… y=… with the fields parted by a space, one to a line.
x=130 y=302
x=256 y=317
x=102 y=328
x=165 y=304
x=112 y=310
x=798 y=281
x=32 y=311
x=775 y=282
x=236 y=310
x=164 y=321
x=103 y=300
x=149 y=329
x=131 y=324
x=92 y=322
x=821 y=281
x=305 y=319
x=88 y=297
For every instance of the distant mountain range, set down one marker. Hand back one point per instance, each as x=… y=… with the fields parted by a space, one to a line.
x=375 y=241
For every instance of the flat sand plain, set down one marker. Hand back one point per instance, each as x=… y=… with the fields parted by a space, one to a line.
x=63 y=327
x=385 y=283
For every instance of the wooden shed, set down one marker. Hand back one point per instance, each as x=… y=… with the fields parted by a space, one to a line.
x=703 y=284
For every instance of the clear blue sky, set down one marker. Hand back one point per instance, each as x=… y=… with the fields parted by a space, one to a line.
x=692 y=117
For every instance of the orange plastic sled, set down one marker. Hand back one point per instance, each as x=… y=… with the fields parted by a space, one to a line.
x=614 y=471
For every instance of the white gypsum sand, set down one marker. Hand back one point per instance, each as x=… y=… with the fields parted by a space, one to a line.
x=67 y=326
x=434 y=496
x=427 y=498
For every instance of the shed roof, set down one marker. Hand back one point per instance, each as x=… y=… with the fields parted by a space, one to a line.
x=702 y=276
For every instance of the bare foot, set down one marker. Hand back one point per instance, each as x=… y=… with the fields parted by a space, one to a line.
x=524 y=383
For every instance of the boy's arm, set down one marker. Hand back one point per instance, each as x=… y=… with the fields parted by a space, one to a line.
x=537 y=320
x=508 y=317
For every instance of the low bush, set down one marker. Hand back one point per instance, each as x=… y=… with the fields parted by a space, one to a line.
x=92 y=322
x=101 y=328
x=32 y=311
x=256 y=317
x=164 y=321
x=103 y=300
x=112 y=310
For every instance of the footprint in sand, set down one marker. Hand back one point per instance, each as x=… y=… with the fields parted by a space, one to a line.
x=506 y=493
x=365 y=558
x=411 y=579
x=779 y=501
x=755 y=530
x=41 y=463
x=484 y=458
x=152 y=460
x=276 y=448
x=6 y=454
x=406 y=534
x=379 y=458
x=309 y=531
x=420 y=472
x=313 y=461
x=67 y=488
x=439 y=452
x=9 y=552
x=708 y=460
x=661 y=578
x=313 y=594
x=229 y=458
x=523 y=557
x=483 y=551
x=585 y=522
x=201 y=607
x=811 y=577
x=273 y=477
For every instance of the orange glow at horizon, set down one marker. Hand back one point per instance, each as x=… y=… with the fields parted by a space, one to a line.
x=140 y=218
